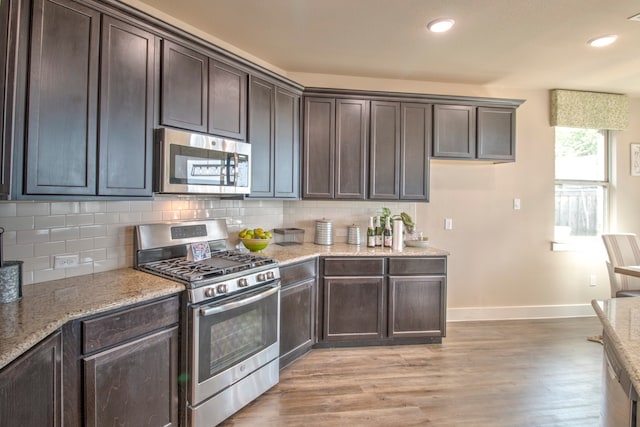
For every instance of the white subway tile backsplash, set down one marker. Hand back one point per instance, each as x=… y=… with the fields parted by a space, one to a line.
x=51 y=221
x=32 y=209
x=79 y=219
x=32 y=236
x=78 y=245
x=64 y=233
x=93 y=230
x=50 y=248
x=65 y=208
x=101 y=232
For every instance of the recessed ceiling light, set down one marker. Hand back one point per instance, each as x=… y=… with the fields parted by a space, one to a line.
x=602 y=40
x=440 y=25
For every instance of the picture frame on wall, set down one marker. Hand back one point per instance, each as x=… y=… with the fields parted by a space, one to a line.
x=635 y=159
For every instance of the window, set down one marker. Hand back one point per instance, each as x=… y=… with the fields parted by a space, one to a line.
x=582 y=182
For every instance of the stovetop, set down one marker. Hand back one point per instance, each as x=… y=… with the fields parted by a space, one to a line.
x=162 y=249
x=198 y=273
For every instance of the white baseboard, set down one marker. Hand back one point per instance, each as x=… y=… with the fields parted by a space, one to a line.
x=519 y=312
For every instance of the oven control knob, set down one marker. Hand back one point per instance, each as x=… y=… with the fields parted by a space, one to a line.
x=210 y=292
x=270 y=275
x=243 y=283
x=222 y=289
x=261 y=277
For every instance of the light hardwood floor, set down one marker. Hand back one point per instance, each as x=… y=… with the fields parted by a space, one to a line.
x=499 y=373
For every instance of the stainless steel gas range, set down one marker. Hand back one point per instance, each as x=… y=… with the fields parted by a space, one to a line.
x=233 y=314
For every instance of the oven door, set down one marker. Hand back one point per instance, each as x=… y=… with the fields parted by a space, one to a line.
x=232 y=339
x=195 y=163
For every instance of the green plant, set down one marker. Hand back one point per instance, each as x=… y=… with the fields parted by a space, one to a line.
x=409 y=224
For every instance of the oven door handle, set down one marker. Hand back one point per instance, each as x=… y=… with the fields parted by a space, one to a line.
x=208 y=311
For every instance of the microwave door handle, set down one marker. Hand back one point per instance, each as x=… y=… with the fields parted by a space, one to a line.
x=236 y=169
x=208 y=311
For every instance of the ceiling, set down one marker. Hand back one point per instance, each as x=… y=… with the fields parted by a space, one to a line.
x=533 y=44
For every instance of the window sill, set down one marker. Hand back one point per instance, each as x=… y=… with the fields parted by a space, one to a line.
x=578 y=244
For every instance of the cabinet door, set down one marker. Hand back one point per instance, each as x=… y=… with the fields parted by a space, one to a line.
x=454 y=131
x=416 y=306
x=227 y=101
x=134 y=384
x=319 y=148
x=184 y=87
x=353 y=308
x=414 y=151
x=287 y=145
x=63 y=99
x=5 y=139
x=352 y=125
x=126 y=110
x=384 y=176
x=31 y=387
x=261 y=136
x=297 y=320
x=496 y=133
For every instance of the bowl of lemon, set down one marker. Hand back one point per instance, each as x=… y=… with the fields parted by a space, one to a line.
x=255 y=239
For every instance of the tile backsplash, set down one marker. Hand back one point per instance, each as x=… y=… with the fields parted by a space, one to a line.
x=101 y=232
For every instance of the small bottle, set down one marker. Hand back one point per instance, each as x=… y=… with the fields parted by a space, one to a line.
x=378 y=232
x=387 y=234
x=371 y=234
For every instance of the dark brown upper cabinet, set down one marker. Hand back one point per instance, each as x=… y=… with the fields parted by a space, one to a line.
x=184 y=87
x=202 y=94
x=399 y=151
x=470 y=132
x=90 y=104
x=126 y=110
x=227 y=101
x=497 y=134
x=62 y=138
x=454 y=131
x=5 y=113
x=274 y=123
x=335 y=148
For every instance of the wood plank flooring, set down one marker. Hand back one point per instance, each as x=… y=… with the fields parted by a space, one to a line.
x=499 y=373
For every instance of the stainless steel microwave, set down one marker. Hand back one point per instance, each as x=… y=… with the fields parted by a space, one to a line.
x=193 y=163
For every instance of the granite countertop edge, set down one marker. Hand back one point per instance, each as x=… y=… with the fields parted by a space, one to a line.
x=620 y=318
x=45 y=307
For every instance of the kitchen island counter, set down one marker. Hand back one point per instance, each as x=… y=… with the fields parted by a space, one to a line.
x=45 y=307
x=620 y=318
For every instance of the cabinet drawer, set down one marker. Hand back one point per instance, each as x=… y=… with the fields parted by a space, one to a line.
x=353 y=266
x=429 y=265
x=123 y=325
x=297 y=272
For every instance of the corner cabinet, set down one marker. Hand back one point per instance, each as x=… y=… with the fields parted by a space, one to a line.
x=90 y=104
x=383 y=300
x=297 y=310
x=31 y=386
x=122 y=367
x=274 y=134
x=336 y=145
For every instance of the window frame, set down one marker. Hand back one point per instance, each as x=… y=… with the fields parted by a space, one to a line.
x=580 y=242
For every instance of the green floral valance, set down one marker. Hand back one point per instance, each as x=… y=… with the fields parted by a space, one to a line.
x=592 y=110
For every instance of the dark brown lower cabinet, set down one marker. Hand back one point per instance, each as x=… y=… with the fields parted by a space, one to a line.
x=383 y=300
x=297 y=310
x=122 y=367
x=31 y=387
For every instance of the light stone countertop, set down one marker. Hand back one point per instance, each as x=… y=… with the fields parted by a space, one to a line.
x=46 y=307
x=620 y=318
x=294 y=253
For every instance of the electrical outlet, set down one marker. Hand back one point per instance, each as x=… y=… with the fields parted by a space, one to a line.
x=592 y=280
x=516 y=203
x=448 y=223
x=65 y=261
